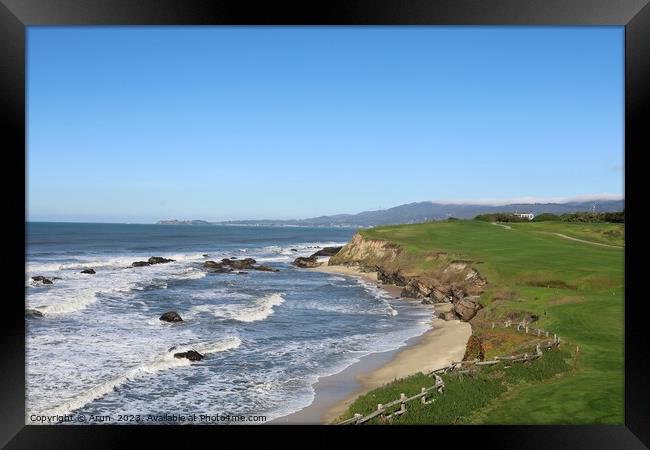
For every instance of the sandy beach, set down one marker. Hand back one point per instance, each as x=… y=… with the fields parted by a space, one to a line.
x=443 y=343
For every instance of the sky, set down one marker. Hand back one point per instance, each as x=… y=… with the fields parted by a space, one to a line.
x=138 y=124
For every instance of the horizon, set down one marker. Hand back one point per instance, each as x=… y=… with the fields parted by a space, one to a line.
x=139 y=124
x=504 y=202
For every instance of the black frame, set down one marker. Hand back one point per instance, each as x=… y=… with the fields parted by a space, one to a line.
x=16 y=15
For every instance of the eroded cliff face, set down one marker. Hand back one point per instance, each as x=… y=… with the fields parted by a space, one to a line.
x=441 y=279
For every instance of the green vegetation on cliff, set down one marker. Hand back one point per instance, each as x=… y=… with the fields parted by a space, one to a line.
x=574 y=288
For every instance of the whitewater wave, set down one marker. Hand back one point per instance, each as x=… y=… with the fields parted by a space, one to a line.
x=162 y=362
x=75 y=292
x=260 y=309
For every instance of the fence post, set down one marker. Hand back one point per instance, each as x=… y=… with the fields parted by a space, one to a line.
x=539 y=332
x=402 y=405
x=492 y=325
x=423 y=399
x=547 y=334
x=526 y=330
x=357 y=416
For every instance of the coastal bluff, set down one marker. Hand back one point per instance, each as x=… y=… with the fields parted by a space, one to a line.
x=442 y=280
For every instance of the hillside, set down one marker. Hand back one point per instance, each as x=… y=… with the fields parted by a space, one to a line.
x=425 y=211
x=543 y=272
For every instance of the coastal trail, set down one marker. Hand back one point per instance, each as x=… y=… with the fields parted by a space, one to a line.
x=582 y=240
x=507 y=227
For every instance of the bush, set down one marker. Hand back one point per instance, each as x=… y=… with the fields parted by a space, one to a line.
x=545 y=217
x=588 y=216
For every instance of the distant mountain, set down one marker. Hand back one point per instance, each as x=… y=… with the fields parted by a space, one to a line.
x=425 y=211
x=183 y=222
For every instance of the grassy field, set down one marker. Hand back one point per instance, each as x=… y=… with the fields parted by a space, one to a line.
x=576 y=290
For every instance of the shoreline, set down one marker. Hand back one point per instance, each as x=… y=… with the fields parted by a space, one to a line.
x=435 y=348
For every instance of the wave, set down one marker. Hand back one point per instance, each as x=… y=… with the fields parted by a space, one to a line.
x=259 y=310
x=75 y=292
x=162 y=362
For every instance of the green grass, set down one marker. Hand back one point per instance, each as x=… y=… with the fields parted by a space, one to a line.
x=575 y=288
x=464 y=396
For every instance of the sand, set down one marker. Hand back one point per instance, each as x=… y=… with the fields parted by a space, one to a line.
x=435 y=349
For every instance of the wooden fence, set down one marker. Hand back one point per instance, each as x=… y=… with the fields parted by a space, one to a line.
x=461 y=367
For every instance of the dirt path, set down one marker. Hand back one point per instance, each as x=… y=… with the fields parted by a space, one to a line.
x=586 y=242
x=507 y=227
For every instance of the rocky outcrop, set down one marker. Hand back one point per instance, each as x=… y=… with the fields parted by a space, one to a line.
x=171 y=316
x=327 y=251
x=88 y=271
x=447 y=281
x=390 y=277
x=192 y=355
x=151 y=261
x=416 y=289
x=42 y=279
x=306 y=263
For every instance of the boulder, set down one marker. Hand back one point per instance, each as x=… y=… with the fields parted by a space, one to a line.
x=415 y=289
x=448 y=315
x=88 y=271
x=241 y=273
x=294 y=249
x=306 y=263
x=140 y=264
x=466 y=308
x=192 y=355
x=265 y=268
x=205 y=255
x=171 y=316
x=33 y=313
x=327 y=251
x=42 y=279
x=159 y=260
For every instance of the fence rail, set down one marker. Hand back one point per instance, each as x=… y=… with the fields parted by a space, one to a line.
x=462 y=367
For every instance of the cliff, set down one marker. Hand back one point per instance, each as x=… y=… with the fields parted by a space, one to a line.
x=433 y=277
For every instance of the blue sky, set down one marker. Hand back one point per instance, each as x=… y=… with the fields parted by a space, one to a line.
x=139 y=124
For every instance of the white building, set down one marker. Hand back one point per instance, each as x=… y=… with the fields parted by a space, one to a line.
x=529 y=216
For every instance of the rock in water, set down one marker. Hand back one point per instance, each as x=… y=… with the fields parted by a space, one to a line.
x=33 y=313
x=42 y=279
x=327 y=251
x=240 y=264
x=89 y=271
x=140 y=264
x=306 y=263
x=171 y=316
x=265 y=268
x=192 y=355
x=159 y=260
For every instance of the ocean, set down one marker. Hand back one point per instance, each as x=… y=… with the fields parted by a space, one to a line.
x=98 y=348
